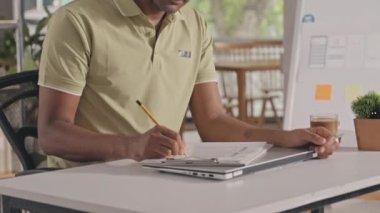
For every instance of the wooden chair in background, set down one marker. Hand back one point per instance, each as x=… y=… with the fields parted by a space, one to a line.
x=258 y=65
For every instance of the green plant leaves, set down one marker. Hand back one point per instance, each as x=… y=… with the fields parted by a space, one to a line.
x=32 y=41
x=366 y=106
x=42 y=24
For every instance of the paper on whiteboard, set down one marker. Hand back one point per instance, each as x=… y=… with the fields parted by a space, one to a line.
x=372 y=55
x=355 y=51
x=351 y=92
x=318 y=50
x=336 y=52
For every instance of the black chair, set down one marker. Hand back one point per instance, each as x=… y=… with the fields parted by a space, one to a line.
x=18 y=118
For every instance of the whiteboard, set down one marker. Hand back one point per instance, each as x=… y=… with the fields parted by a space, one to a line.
x=335 y=57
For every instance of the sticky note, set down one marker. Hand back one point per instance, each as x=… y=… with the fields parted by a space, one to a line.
x=323 y=92
x=351 y=92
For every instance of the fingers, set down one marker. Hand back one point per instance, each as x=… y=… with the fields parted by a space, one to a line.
x=321 y=131
x=169 y=140
x=313 y=137
x=324 y=143
x=176 y=137
x=327 y=149
x=162 y=152
x=167 y=132
x=182 y=147
x=332 y=142
x=171 y=145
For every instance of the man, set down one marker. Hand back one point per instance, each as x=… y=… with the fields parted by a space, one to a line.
x=100 y=56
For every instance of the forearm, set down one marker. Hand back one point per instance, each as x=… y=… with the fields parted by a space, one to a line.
x=226 y=128
x=65 y=140
x=214 y=124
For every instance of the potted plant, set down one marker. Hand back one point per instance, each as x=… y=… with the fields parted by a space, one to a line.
x=367 y=121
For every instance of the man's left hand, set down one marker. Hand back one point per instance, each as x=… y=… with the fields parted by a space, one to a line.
x=320 y=139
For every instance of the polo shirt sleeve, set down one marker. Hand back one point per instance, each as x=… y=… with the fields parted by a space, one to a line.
x=65 y=55
x=206 y=71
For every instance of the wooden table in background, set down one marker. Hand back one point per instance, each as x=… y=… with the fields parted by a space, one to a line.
x=241 y=69
x=6 y=175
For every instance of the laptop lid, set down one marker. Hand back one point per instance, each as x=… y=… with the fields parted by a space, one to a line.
x=275 y=156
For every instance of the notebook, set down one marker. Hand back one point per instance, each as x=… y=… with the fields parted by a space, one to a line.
x=271 y=157
x=219 y=154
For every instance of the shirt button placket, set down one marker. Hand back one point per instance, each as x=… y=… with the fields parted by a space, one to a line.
x=156 y=54
x=156 y=60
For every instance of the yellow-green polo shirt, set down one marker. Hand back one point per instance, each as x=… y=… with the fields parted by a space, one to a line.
x=106 y=52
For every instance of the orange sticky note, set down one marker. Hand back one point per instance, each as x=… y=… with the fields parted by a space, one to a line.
x=323 y=92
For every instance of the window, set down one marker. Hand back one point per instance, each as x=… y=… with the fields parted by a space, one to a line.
x=34 y=9
x=244 y=18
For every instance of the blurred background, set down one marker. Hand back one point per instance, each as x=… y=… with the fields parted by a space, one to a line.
x=227 y=20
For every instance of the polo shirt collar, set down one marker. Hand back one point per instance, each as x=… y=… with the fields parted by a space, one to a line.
x=129 y=8
x=177 y=16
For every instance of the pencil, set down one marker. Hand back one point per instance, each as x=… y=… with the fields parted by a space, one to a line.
x=147 y=112
x=150 y=115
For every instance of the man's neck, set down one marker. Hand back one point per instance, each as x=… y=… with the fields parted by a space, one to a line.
x=151 y=11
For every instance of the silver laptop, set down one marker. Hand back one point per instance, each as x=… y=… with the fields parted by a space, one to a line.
x=275 y=156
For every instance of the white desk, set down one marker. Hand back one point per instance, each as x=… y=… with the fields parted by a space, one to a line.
x=123 y=186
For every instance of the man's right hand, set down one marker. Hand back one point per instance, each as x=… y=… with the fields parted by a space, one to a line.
x=158 y=142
